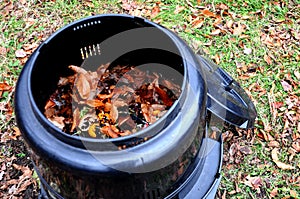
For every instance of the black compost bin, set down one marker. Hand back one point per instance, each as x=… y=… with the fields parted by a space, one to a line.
x=175 y=157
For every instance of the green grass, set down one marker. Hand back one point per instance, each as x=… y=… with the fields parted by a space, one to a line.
x=259 y=17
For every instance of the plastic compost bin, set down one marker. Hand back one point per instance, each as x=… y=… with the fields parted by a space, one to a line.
x=180 y=159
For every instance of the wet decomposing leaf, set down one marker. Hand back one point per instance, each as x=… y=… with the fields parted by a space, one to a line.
x=111 y=102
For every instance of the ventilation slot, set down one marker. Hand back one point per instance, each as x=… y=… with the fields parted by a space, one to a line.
x=89 y=51
x=86 y=25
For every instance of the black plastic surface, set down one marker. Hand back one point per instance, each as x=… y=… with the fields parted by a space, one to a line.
x=195 y=188
x=72 y=157
x=226 y=98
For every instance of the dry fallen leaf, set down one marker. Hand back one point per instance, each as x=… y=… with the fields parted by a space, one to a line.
x=208 y=13
x=26 y=170
x=238 y=30
x=268 y=59
x=277 y=105
x=247 y=51
x=286 y=86
x=254 y=182
x=273 y=143
x=229 y=23
x=246 y=150
x=17 y=133
x=155 y=11
x=293 y=193
x=296 y=146
x=3 y=50
x=178 y=9
x=197 y=23
x=278 y=163
x=297 y=74
x=274 y=192
x=5 y=87
x=215 y=32
x=20 y=53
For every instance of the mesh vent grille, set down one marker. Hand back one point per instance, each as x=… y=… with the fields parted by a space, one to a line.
x=89 y=51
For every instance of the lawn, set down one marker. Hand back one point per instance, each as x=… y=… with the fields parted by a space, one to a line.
x=257 y=42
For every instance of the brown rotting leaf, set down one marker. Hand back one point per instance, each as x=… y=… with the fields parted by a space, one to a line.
x=111 y=102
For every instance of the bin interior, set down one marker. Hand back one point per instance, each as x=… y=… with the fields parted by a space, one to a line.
x=146 y=45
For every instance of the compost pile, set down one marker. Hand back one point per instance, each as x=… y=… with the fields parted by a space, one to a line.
x=110 y=102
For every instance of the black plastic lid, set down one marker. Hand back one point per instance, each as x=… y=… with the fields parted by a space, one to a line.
x=226 y=98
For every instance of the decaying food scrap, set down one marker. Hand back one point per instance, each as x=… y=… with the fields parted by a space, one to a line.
x=110 y=102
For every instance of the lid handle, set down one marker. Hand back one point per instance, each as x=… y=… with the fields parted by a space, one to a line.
x=226 y=98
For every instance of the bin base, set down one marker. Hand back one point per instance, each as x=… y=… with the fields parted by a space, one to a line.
x=203 y=183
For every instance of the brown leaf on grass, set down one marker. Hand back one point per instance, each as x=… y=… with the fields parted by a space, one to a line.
x=247 y=51
x=16 y=133
x=286 y=86
x=155 y=11
x=5 y=87
x=89 y=4
x=128 y=5
x=229 y=24
x=218 y=22
x=268 y=59
x=273 y=143
x=238 y=30
x=197 y=23
x=215 y=32
x=274 y=192
x=178 y=9
x=224 y=195
x=25 y=170
x=8 y=7
x=3 y=50
x=246 y=150
x=217 y=58
x=279 y=163
x=277 y=105
x=207 y=13
x=296 y=146
x=254 y=182
x=297 y=74
x=20 y=53
x=293 y=193
x=222 y=6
